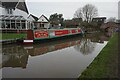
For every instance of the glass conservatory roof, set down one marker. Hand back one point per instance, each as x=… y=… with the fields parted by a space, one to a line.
x=5 y=17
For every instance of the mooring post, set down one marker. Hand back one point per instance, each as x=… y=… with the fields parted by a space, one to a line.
x=30 y=37
x=30 y=34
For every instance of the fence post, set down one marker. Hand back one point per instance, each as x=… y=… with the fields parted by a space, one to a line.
x=30 y=34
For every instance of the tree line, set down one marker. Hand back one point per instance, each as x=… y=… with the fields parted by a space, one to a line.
x=82 y=16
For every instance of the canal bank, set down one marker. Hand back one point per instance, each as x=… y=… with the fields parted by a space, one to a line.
x=105 y=65
x=11 y=38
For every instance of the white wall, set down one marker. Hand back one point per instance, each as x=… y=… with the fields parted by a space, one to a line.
x=16 y=12
x=3 y=11
x=0 y=10
x=42 y=19
x=46 y=25
x=30 y=18
x=20 y=13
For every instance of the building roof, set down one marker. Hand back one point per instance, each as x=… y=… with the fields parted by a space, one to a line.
x=9 y=3
x=44 y=17
x=36 y=18
x=5 y=17
x=99 y=18
x=22 y=6
x=12 y=4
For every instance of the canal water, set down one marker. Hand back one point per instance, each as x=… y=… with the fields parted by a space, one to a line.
x=61 y=58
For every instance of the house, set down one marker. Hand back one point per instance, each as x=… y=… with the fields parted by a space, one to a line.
x=32 y=19
x=43 y=22
x=14 y=15
x=99 y=20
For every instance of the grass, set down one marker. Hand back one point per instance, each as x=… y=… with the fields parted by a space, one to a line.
x=5 y=36
x=105 y=65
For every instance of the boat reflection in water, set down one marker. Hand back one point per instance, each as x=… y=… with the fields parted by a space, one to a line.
x=14 y=57
x=61 y=58
x=17 y=55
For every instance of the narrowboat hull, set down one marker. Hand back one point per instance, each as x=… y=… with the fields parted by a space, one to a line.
x=35 y=35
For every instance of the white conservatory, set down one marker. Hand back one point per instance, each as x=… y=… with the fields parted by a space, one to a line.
x=14 y=16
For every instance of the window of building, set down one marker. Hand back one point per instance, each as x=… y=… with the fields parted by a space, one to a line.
x=41 y=25
x=23 y=24
x=7 y=24
x=9 y=11
x=13 y=24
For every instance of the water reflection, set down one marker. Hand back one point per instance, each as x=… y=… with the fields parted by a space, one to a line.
x=64 y=58
x=14 y=57
x=88 y=42
x=86 y=47
x=17 y=55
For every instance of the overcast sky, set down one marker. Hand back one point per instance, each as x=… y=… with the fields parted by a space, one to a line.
x=107 y=8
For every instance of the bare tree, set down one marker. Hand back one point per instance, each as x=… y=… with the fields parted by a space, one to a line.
x=78 y=13
x=86 y=13
x=86 y=47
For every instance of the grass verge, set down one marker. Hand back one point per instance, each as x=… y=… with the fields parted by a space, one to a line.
x=105 y=65
x=4 y=36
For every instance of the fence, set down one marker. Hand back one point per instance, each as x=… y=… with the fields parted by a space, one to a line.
x=12 y=31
